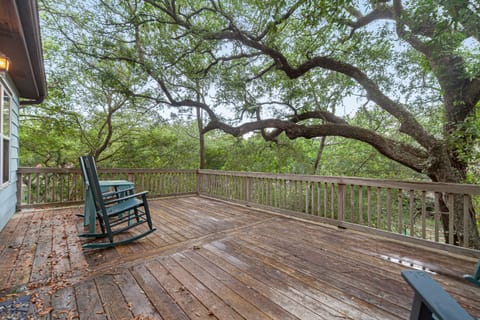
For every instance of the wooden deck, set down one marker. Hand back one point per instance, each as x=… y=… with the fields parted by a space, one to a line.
x=213 y=260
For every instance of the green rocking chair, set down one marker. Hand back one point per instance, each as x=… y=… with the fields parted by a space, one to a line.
x=117 y=211
x=475 y=278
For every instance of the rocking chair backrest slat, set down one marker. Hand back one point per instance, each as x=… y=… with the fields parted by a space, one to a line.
x=94 y=185
x=84 y=173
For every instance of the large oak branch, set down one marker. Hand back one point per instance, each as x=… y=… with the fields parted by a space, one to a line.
x=409 y=125
x=405 y=154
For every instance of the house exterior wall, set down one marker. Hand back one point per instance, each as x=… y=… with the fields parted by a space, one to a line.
x=8 y=197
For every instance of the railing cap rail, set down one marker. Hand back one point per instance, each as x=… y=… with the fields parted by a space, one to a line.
x=104 y=170
x=472 y=189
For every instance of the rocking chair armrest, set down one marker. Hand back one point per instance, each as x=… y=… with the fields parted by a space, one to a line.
x=117 y=192
x=130 y=196
x=430 y=299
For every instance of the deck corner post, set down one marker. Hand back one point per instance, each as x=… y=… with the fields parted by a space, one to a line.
x=18 y=206
x=198 y=175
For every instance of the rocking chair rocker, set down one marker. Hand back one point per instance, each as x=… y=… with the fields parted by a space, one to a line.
x=117 y=211
x=475 y=277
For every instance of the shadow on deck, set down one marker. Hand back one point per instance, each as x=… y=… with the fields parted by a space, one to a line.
x=213 y=260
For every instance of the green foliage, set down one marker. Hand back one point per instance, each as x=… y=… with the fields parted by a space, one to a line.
x=115 y=69
x=173 y=146
x=256 y=155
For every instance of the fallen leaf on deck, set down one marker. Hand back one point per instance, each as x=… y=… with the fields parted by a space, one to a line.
x=45 y=311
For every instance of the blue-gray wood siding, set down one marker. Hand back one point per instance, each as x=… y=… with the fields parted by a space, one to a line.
x=8 y=192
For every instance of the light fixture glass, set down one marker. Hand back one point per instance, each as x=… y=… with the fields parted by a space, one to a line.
x=4 y=62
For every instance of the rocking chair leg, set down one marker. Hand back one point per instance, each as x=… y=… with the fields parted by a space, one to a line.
x=147 y=212
x=475 y=278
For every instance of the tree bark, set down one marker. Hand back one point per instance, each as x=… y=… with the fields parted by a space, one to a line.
x=321 y=147
x=201 y=139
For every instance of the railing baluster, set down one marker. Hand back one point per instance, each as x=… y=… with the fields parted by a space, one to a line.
x=389 y=209
x=352 y=203
x=369 y=206
x=360 y=205
x=379 y=207
x=412 y=212
x=424 y=215
x=332 y=200
x=400 y=211
x=451 y=208
x=437 y=214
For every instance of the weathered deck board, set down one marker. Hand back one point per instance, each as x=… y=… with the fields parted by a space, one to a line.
x=217 y=306
x=162 y=301
x=18 y=246
x=135 y=297
x=88 y=301
x=213 y=260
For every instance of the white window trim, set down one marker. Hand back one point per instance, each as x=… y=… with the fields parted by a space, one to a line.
x=4 y=89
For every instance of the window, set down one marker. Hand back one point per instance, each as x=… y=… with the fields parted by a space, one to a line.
x=5 y=106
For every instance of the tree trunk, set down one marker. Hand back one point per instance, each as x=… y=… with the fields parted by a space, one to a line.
x=464 y=213
x=460 y=205
x=316 y=167
x=201 y=138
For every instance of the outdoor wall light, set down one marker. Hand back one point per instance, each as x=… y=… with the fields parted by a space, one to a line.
x=4 y=62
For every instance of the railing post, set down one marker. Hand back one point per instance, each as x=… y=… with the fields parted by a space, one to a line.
x=198 y=175
x=342 y=201
x=466 y=221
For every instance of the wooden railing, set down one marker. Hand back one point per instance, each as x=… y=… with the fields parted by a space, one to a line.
x=51 y=186
x=418 y=210
x=414 y=209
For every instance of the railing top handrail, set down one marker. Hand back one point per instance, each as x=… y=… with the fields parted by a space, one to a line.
x=102 y=170
x=472 y=189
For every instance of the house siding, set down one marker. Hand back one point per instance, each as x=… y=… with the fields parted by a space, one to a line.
x=8 y=192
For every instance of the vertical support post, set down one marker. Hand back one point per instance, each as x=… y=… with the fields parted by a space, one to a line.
x=437 y=213
x=389 y=209
x=424 y=215
x=198 y=187
x=307 y=190
x=352 y=203
x=369 y=206
x=451 y=217
x=19 y=191
x=412 y=212
x=379 y=208
x=360 y=204
x=400 y=211
x=248 y=189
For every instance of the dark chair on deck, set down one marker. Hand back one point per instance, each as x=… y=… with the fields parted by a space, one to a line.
x=117 y=211
x=475 y=277
x=430 y=300
x=106 y=194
